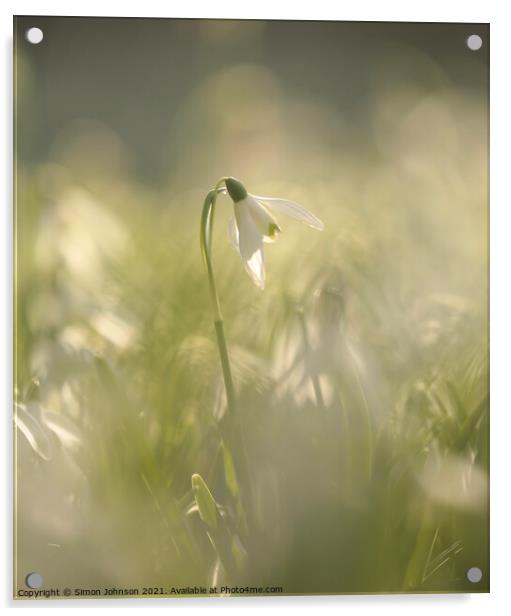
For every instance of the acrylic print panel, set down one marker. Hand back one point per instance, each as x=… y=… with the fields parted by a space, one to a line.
x=294 y=399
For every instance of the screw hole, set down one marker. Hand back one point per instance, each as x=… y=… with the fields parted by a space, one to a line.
x=474 y=575
x=34 y=35
x=34 y=580
x=474 y=42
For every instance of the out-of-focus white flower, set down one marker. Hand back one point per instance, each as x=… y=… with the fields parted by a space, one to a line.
x=254 y=224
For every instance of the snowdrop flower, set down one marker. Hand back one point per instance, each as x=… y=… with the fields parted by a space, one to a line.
x=254 y=223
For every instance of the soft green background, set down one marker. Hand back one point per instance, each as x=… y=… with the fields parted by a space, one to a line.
x=377 y=484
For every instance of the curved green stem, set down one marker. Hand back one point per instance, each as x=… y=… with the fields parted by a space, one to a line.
x=233 y=432
x=206 y=234
x=206 y=229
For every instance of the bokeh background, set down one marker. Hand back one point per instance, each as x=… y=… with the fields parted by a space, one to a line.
x=361 y=370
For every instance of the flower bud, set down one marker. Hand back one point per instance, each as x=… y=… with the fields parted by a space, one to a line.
x=236 y=190
x=205 y=502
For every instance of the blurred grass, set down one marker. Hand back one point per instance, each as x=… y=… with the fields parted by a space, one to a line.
x=361 y=371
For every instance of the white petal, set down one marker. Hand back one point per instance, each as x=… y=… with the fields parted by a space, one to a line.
x=262 y=218
x=233 y=234
x=255 y=268
x=250 y=244
x=291 y=209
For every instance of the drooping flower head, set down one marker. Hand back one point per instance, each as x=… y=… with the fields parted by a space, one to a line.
x=254 y=224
